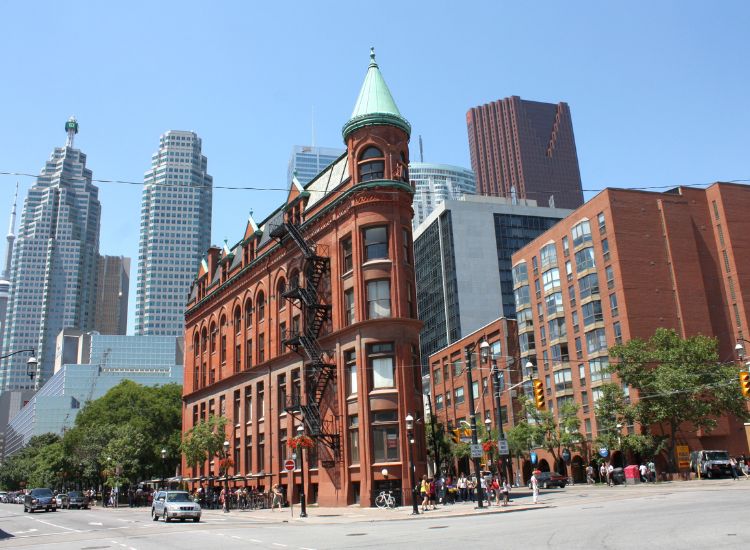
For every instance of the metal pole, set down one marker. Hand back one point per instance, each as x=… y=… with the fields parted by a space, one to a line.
x=302 y=499
x=498 y=412
x=435 y=445
x=473 y=423
x=414 y=503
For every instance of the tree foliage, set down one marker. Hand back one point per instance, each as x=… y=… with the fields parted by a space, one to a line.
x=205 y=440
x=115 y=439
x=681 y=385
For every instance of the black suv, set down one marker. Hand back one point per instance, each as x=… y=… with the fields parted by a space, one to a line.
x=39 y=499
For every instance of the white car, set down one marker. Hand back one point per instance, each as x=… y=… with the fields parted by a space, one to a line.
x=175 y=505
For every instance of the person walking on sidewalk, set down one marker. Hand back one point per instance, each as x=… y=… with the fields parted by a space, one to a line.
x=603 y=473
x=534 y=488
x=610 y=474
x=589 y=475
x=424 y=492
x=505 y=489
x=733 y=468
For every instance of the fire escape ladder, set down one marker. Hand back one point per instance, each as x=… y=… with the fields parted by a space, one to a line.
x=319 y=371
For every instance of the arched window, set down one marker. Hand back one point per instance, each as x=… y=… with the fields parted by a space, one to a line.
x=248 y=314
x=371 y=164
x=204 y=340
x=214 y=333
x=405 y=168
x=260 y=304
x=223 y=339
x=280 y=289
x=237 y=320
x=196 y=345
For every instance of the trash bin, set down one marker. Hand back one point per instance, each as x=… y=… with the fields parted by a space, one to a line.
x=632 y=475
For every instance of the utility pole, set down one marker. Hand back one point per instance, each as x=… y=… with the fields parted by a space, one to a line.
x=473 y=423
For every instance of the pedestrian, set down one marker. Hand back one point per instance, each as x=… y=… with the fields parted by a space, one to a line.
x=505 y=488
x=733 y=468
x=534 y=488
x=496 y=490
x=610 y=474
x=471 y=485
x=424 y=492
x=652 y=471
x=603 y=473
x=278 y=497
x=589 y=475
x=432 y=492
x=463 y=495
x=643 y=471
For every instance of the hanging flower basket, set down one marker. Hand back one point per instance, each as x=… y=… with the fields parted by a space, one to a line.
x=225 y=464
x=489 y=445
x=301 y=441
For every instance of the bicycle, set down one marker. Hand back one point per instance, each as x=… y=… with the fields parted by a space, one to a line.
x=385 y=500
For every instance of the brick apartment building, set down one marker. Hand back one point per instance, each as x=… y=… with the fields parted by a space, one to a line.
x=310 y=320
x=622 y=265
x=449 y=385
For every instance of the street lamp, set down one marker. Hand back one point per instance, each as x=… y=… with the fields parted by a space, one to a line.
x=410 y=434
x=739 y=348
x=484 y=348
x=31 y=364
x=302 y=500
x=226 y=477
x=473 y=422
x=163 y=467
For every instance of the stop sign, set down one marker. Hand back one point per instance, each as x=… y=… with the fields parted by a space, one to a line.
x=289 y=465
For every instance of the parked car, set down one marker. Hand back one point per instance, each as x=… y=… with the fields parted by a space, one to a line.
x=76 y=499
x=39 y=499
x=175 y=505
x=551 y=479
x=61 y=499
x=710 y=463
x=618 y=476
x=3 y=496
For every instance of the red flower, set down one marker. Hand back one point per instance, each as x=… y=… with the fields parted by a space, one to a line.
x=301 y=441
x=488 y=445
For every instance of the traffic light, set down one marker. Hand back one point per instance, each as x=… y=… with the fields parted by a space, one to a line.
x=538 y=394
x=745 y=383
x=456 y=437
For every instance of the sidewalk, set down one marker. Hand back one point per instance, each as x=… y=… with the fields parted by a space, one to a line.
x=352 y=514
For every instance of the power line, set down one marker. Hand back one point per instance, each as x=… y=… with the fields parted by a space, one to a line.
x=257 y=188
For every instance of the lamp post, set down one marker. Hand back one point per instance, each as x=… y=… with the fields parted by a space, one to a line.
x=163 y=467
x=410 y=434
x=473 y=422
x=226 y=477
x=739 y=348
x=484 y=349
x=31 y=364
x=619 y=441
x=301 y=450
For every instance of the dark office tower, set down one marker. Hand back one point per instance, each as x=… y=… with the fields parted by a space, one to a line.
x=525 y=149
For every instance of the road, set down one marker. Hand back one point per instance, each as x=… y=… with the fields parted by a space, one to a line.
x=675 y=515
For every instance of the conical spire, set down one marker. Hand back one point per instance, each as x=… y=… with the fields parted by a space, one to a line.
x=11 y=239
x=375 y=104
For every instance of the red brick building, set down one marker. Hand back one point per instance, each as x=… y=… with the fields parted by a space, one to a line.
x=449 y=385
x=619 y=267
x=310 y=319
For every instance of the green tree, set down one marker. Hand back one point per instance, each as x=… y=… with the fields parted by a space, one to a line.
x=28 y=466
x=204 y=440
x=437 y=440
x=681 y=385
x=554 y=433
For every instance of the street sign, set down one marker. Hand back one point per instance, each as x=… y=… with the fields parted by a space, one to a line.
x=476 y=451
x=683 y=457
x=502 y=447
x=604 y=452
x=533 y=458
x=566 y=455
x=289 y=465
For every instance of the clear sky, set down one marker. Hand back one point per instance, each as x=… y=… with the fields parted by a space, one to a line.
x=658 y=90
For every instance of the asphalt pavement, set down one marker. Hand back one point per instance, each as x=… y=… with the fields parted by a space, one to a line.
x=696 y=514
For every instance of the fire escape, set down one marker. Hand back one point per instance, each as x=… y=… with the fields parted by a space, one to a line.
x=318 y=369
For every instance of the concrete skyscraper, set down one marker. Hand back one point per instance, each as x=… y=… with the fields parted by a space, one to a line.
x=175 y=232
x=5 y=276
x=525 y=149
x=309 y=161
x=112 y=290
x=435 y=184
x=54 y=269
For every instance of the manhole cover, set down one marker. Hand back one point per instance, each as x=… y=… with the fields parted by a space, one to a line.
x=356 y=534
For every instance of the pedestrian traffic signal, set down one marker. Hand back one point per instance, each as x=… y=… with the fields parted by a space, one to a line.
x=538 y=394
x=745 y=383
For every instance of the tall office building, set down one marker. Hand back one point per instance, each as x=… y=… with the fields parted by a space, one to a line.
x=525 y=149
x=112 y=291
x=175 y=232
x=53 y=275
x=5 y=277
x=462 y=258
x=436 y=183
x=309 y=161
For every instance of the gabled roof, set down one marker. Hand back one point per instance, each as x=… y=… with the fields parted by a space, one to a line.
x=375 y=104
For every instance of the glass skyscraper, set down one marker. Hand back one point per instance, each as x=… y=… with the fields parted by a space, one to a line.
x=54 y=269
x=309 y=161
x=175 y=232
x=436 y=183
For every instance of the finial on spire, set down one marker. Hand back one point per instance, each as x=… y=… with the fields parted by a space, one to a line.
x=71 y=127
x=372 y=56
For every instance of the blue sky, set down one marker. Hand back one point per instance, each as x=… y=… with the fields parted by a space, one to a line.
x=658 y=90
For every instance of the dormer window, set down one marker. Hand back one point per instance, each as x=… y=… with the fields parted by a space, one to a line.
x=371 y=164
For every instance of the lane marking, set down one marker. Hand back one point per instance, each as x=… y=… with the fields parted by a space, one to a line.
x=278 y=544
x=54 y=525
x=28 y=531
x=95 y=523
x=256 y=540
